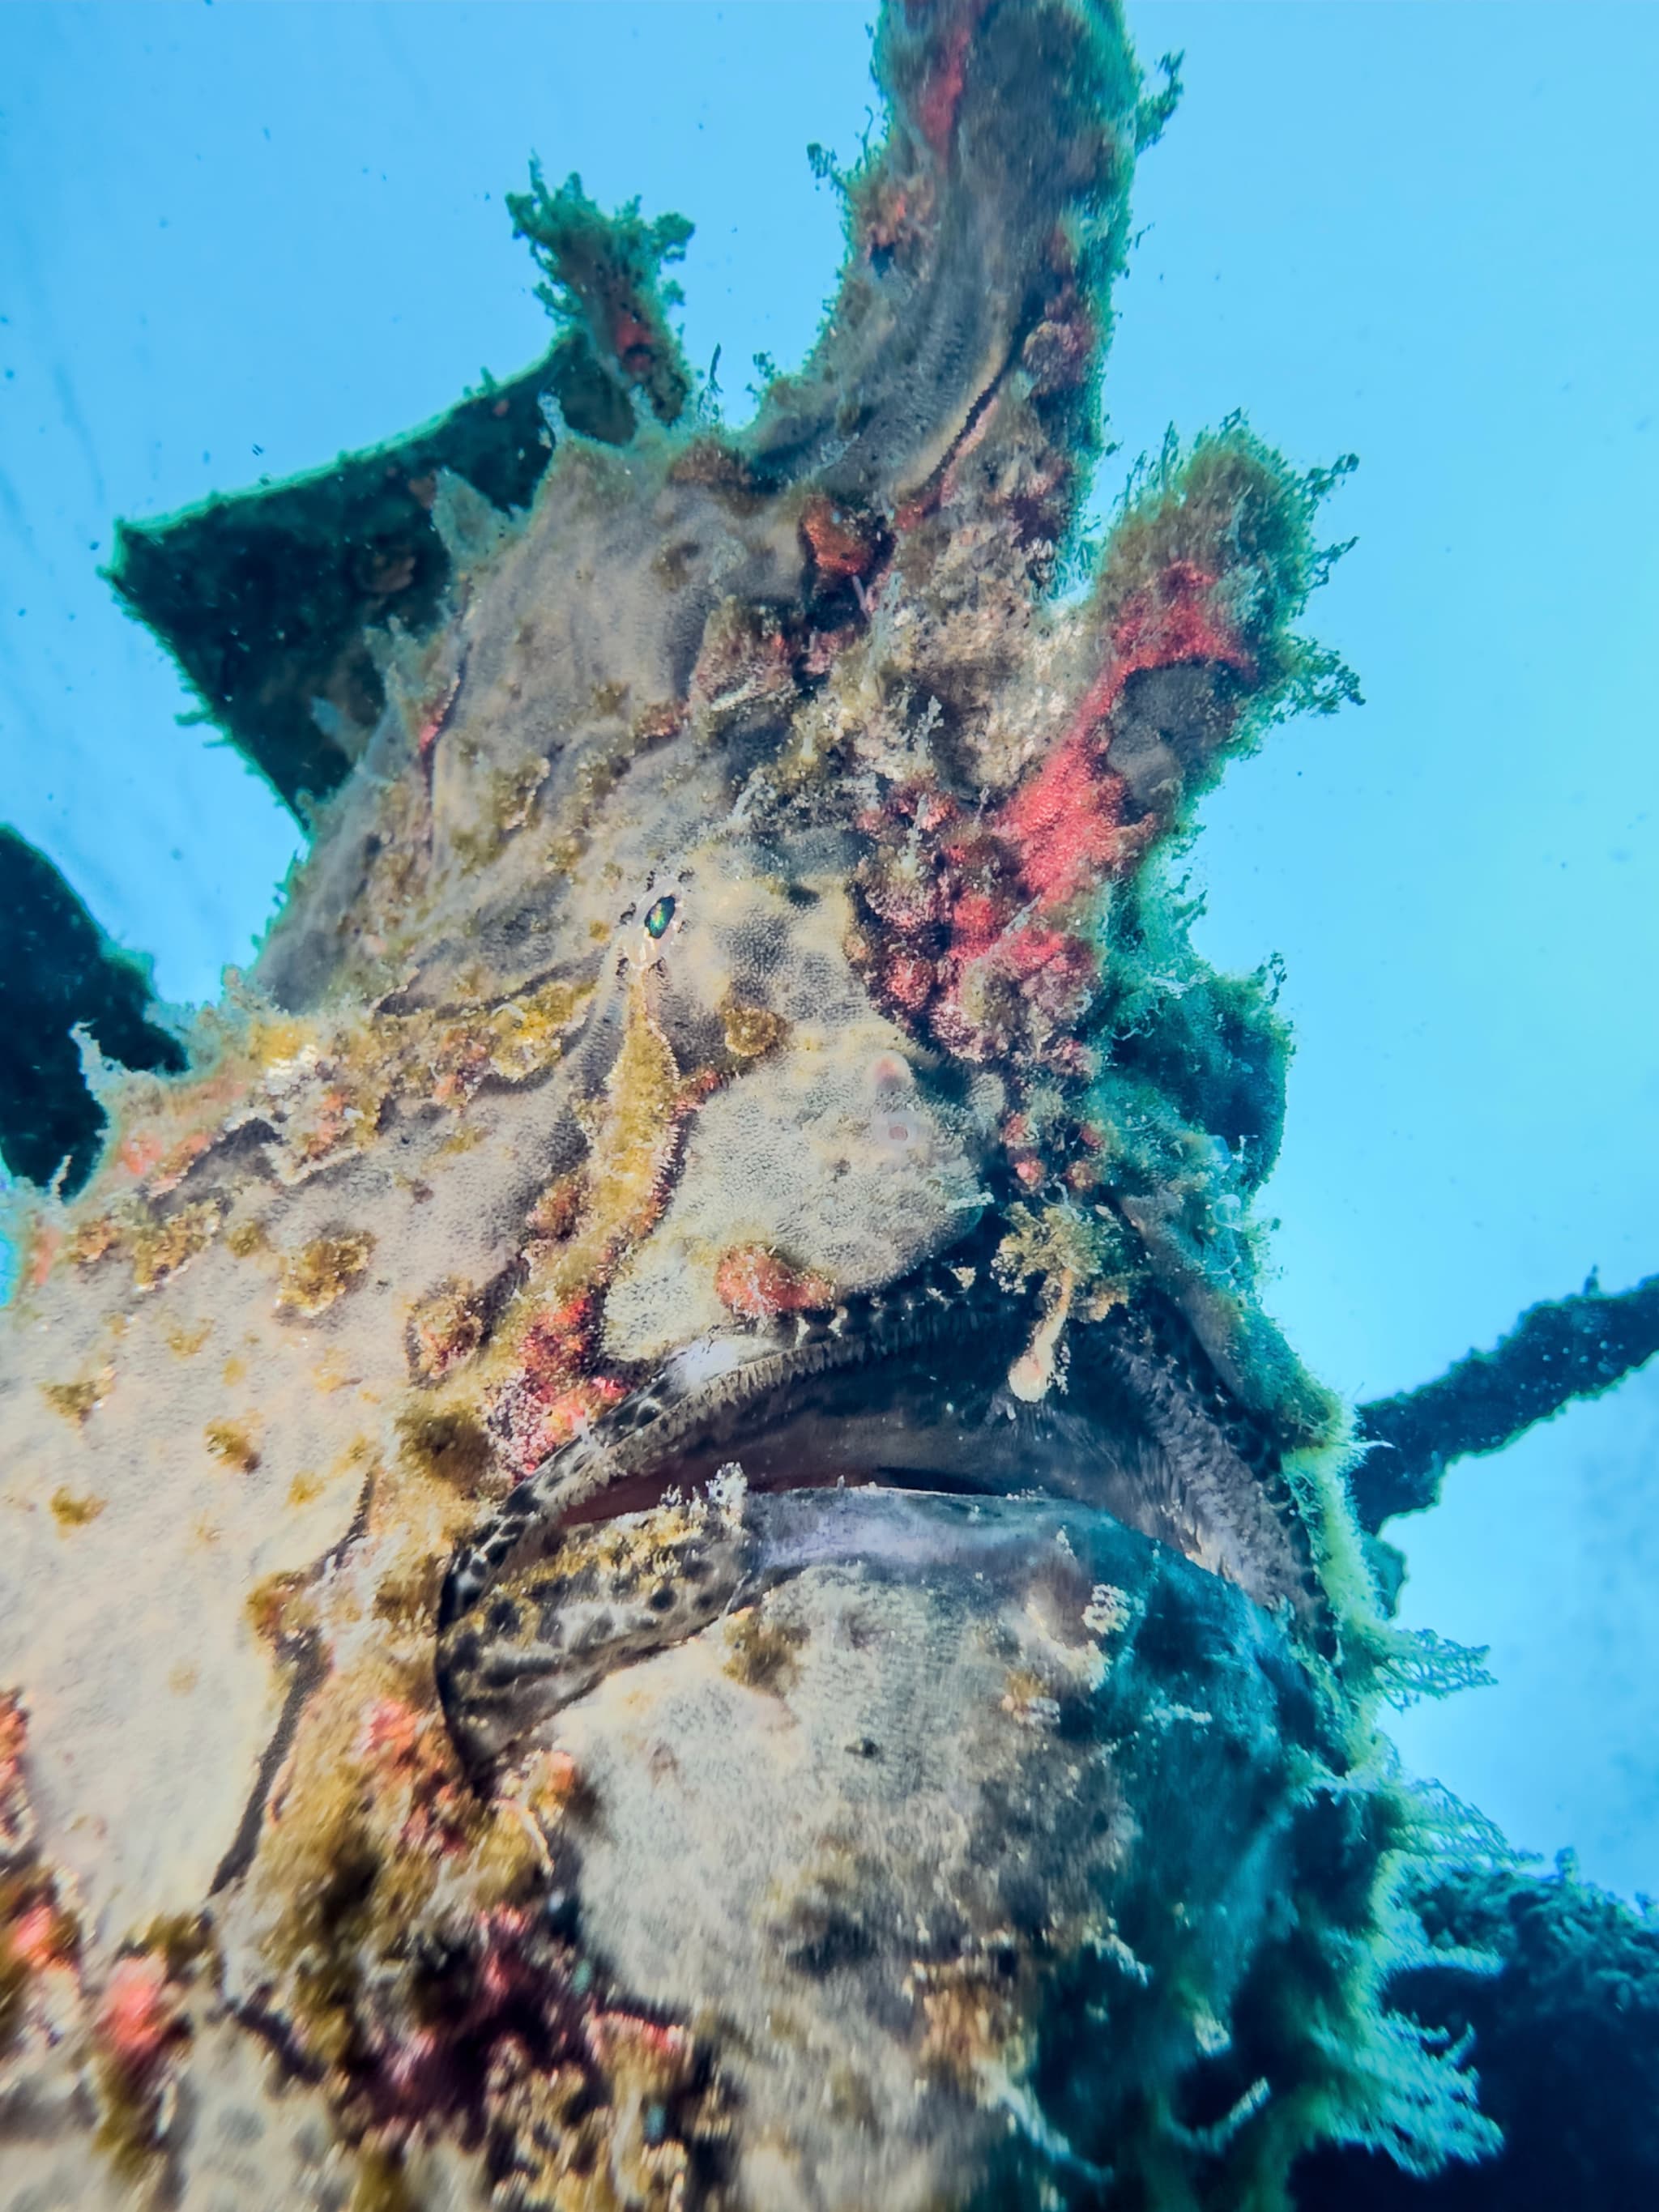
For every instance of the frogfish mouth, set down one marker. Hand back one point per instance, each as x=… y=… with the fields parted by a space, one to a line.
x=757 y=1452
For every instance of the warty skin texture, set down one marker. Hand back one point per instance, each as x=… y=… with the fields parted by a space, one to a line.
x=735 y=1016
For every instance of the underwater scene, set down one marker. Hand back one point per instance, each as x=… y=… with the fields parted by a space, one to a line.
x=827 y=1090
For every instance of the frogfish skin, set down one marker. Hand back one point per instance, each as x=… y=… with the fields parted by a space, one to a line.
x=656 y=1552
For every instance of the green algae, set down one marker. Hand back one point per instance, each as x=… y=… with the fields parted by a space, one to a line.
x=602 y=282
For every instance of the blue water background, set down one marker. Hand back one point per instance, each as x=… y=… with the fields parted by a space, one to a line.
x=236 y=239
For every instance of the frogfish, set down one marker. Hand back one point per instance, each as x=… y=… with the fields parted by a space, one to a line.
x=657 y=1551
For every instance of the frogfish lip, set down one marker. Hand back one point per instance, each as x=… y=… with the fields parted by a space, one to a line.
x=739 y=1465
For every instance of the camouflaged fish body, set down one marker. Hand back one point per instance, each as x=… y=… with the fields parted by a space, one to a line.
x=659 y=1555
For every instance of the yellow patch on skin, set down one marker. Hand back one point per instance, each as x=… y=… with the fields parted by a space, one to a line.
x=72 y=1512
x=445 y=1442
x=357 y=1462
x=444 y=1331
x=235 y=1372
x=272 y=1043
x=461 y=1140
x=323 y=1271
x=528 y=1035
x=305 y=1488
x=635 y=1138
x=330 y=1373
x=513 y=795
x=162 y=1248
x=230 y=1442
x=380 y=2184
x=94 y=1239
x=246 y=1239
x=763 y=1652
x=751 y=1030
x=616 y=1197
x=181 y=1938
x=182 y=1680
x=268 y=1604
x=77 y=1401
x=185 y=1342
x=407 y=1599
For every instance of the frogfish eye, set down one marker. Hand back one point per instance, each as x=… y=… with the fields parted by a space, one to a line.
x=657 y=920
